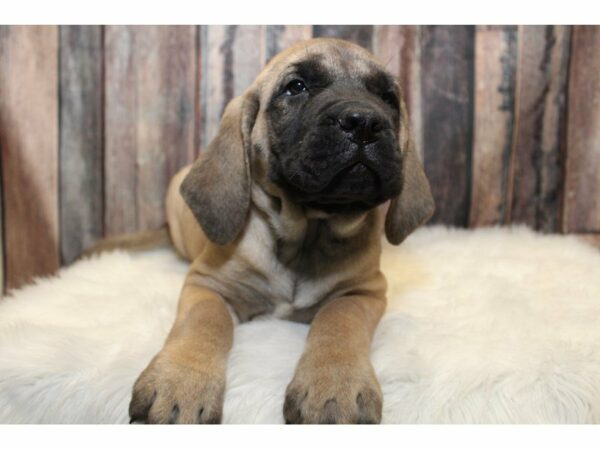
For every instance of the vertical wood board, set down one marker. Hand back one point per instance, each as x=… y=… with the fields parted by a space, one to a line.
x=29 y=146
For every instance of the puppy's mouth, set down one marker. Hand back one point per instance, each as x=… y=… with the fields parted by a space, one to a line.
x=350 y=183
x=357 y=187
x=342 y=177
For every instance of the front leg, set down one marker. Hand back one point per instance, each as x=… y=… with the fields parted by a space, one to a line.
x=185 y=382
x=335 y=381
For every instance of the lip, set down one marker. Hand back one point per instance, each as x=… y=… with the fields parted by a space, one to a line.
x=357 y=171
x=360 y=162
x=356 y=182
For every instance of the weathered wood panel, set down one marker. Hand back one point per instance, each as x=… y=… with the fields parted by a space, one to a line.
x=249 y=56
x=359 y=34
x=232 y=57
x=539 y=161
x=29 y=145
x=582 y=192
x=447 y=105
x=280 y=37
x=150 y=81
x=216 y=55
x=198 y=94
x=81 y=156
x=506 y=122
x=399 y=49
x=120 y=133
x=1 y=220
x=495 y=76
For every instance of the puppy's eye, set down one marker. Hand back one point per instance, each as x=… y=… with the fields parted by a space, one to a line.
x=295 y=87
x=391 y=99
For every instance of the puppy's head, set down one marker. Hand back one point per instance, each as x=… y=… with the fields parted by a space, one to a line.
x=326 y=124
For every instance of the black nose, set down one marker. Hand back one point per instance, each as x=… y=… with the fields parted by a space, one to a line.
x=363 y=125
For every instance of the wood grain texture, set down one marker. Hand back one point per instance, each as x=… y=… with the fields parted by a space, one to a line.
x=95 y=120
x=2 y=286
x=359 y=34
x=150 y=81
x=582 y=192
x=280 y=37
x=249 y=56
x=81 y=155
x=29 y=145
x=541 y=113
x=447 y=108
x=399 y=49
x=212 y=93
x=232 y=57
x=495 y=77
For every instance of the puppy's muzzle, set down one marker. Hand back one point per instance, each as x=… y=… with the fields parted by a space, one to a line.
x=364 y=151
x=361 y=125
x=351 y=159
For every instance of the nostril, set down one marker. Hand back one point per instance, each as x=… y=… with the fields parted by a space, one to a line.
x=376 y=126
x=351 y=121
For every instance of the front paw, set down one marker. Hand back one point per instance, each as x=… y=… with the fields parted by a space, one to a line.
x=336 y=393
x=173 y=391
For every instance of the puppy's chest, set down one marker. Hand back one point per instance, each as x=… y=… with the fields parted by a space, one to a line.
x=300 y=273
x=271 y=276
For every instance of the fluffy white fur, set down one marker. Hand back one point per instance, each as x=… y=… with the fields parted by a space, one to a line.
x=493 y=326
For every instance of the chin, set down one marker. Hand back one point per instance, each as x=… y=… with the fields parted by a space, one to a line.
x=332 y=202
x=350 y=208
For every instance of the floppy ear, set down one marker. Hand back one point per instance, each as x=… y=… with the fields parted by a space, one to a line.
x=217 y=188
x=414 y=205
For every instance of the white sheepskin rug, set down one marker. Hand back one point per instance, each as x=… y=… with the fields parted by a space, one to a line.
x=487 y=326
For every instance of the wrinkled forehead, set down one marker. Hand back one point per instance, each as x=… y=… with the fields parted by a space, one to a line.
x=324 y=60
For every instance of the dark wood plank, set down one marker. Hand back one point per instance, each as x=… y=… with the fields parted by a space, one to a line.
x=81 y=160
x=447 y=107
x=359 y=34
x=541 y=107
x=232 y=57
x=280 y=37
x=495 y=77
x=582 y=193
x=150 y=82
x=398 y=47
x=29 y=146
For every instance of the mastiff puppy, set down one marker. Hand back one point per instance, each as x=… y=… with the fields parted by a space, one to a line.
x=280 y=216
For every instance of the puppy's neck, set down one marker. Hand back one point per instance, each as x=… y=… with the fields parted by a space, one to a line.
x=291 y=221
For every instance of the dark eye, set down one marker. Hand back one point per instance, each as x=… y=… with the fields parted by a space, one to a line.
x=295 y=87
x=391 y=99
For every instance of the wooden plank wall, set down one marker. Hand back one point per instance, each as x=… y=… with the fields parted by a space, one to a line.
x=149 y=120
x=29 y=145
x=539 y=136
x=95 y=120
x=494 y=117
x=81 y=139
x=582 y=192
x=447 y=115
